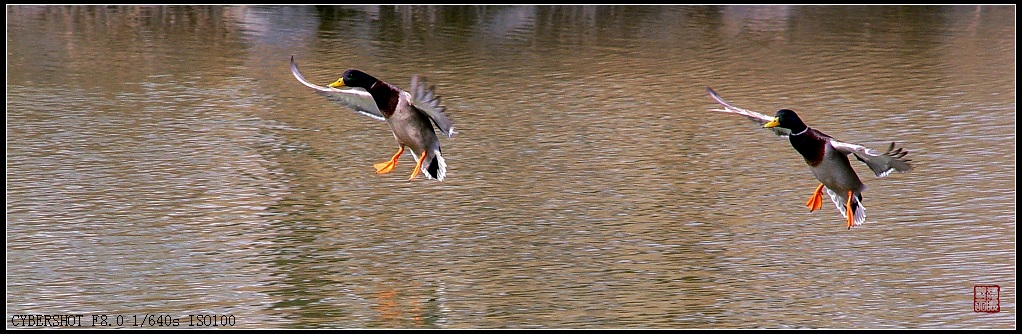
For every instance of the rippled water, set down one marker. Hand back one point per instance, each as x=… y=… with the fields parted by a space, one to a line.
x=163 y=160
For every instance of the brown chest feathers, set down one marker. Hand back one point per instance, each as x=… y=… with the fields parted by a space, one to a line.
x=386 y=97
x=812 y=145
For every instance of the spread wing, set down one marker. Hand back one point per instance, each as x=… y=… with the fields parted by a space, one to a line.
x=356 y=99
x=425 y=99
x=881 y=164
x=752 y=115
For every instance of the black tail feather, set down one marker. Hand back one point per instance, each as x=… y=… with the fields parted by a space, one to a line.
x=434 y=167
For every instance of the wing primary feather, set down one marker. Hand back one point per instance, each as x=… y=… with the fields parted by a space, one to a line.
x=356 y=99
x=759 y=118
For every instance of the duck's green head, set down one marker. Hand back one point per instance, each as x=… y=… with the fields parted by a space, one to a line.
x=787 y=119
x=355 y=78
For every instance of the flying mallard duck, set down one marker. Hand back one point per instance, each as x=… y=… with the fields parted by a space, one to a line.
x=827 y=159
x=411 y=116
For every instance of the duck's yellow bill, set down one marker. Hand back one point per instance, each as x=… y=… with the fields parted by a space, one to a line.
x=338 y=83
x=770 y=124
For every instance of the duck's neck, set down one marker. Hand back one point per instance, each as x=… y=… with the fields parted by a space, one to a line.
x=386 y=97
x=809 y=145
x=798 y=132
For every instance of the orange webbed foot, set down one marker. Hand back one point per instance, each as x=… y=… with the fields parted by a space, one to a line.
x=384 y=167
x=848 y=210
x=388 y=166
x=418 y=166
x=816 y=200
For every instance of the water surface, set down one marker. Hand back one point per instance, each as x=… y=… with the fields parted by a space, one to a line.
x=163 y=160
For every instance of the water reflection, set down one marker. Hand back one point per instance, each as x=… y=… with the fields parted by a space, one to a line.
x=162 y=159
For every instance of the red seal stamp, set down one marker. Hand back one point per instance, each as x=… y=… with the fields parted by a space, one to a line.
x=986 y=298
